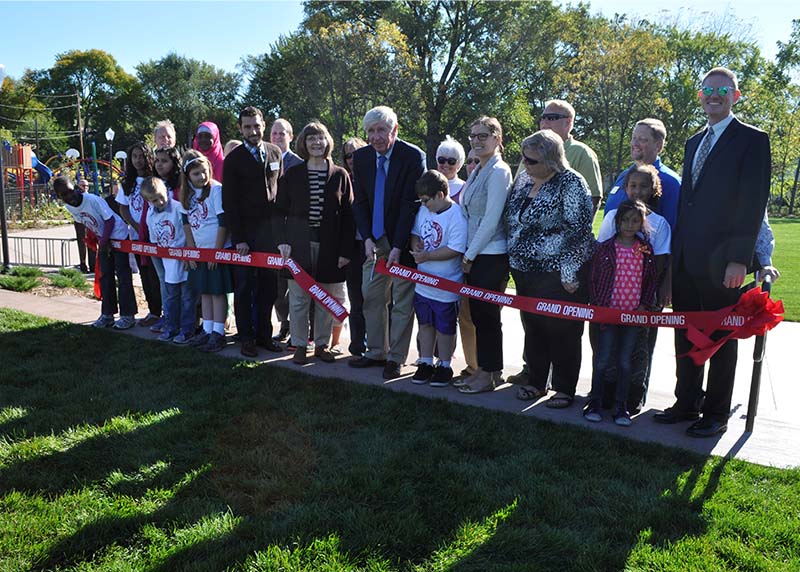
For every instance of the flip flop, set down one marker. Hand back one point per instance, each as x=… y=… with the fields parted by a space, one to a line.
x=530 y=393
x=559 y=401
x=469 y=389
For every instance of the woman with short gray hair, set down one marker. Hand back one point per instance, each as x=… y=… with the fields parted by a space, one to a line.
x=549 y=226
x=449 y=160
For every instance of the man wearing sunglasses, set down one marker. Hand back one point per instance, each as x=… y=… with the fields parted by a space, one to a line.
x=724 y=192
x=559 y=116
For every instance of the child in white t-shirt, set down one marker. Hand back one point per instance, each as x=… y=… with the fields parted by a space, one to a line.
x=166 y=230
x=204 y=224
x=98 y=218
x=438 y=240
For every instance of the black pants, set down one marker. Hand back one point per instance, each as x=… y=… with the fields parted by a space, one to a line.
x=150 y=285
x=83 y=250
x=358 y=327
x=115 y=263
x=255 y=289
x=551 y=340
x=691 y=293
x=488 y=271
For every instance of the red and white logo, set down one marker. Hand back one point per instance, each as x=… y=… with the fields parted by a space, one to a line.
x=165 y=233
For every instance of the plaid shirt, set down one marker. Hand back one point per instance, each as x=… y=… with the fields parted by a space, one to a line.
x=604 y=263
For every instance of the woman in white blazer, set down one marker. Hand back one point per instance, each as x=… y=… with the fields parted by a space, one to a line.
x=485 y=262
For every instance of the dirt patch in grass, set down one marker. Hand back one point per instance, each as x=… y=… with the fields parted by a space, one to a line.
x=47 y=290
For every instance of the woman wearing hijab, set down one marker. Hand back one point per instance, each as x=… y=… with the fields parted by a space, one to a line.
x=206 y=140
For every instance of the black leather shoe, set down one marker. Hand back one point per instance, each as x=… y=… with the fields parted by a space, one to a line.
x=249 y=348
x=362 y=362
x=391 y=370
x=706 y=428
x=672 y=415
x=283 y=334
x=269 y=345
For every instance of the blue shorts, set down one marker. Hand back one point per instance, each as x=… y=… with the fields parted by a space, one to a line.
x=441 y=315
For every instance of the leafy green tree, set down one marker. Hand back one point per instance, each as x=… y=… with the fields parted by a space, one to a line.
x=188 y=92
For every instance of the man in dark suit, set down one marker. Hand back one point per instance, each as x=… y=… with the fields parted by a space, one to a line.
x=384 y=174
x=281 y=135
x=724 y=191
x=249 y=186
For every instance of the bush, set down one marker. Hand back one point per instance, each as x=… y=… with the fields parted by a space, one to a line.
x=26 y=271
x=18 y=283
x=69 y=278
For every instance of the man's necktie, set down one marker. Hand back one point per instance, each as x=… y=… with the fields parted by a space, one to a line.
x=702 y=154
x=377 y=208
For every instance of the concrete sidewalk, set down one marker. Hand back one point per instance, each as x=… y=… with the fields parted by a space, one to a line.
x=775 y=440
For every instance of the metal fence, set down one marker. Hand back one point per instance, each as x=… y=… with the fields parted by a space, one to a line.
x=23 y=204
x=37 y=251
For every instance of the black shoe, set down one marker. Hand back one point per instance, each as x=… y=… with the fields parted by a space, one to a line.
x=423 y=374
x=362 y=362
x=269 y=345
x=442 y=376
x=249 y=348
x=671 y=415
x=283 y=333
x=706 y=428
x=391 y=370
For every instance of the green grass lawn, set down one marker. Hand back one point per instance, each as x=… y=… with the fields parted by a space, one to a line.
x=787 y=260
x=118 y=454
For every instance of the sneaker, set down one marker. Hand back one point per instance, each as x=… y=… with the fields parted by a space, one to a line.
x=125 y=323
x=199 y=340
x=181 y=339
x=441 y=376
x=149 y=320
x=166 y=336
x=323 y=354
x=423 y=374
x=216 y=342
x=158 y=327
x=104 y=321
x=622 y=417
x=300 y=356
x=592 y=411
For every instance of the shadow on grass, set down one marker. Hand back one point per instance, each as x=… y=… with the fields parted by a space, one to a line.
x=182 y=461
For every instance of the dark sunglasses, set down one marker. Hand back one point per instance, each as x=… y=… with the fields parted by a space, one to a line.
x=348 y=156
x=722 y=90
x=473 y=160
x=448 y=160
x=553 y=116
x=529 y=161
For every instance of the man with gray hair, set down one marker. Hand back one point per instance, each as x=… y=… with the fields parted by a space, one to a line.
x=647 y=142
x=384 y=175
x=559 y=116
x=164 y=134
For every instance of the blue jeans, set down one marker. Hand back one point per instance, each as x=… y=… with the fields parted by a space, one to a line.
x=111 y=263
x=625 y=339
x=181 y=308
x=158 y=264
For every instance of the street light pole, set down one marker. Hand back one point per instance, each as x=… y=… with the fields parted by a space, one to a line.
x=110 y=138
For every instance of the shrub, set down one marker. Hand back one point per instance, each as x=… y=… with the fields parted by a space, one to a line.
x=26 y=271
x=69 y=278
x=18 y=283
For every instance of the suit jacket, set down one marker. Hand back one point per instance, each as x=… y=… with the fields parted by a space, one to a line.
x=719 y=216
x=248 y=194
x=290 y=159
x=406 y=165
x=337 y=227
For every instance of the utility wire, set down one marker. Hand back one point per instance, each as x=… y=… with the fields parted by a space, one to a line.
x=38 y=110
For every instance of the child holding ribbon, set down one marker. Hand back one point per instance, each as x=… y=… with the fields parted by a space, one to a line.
x=204 y=225
x=623 y=277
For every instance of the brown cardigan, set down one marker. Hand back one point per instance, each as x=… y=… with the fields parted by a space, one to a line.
x=337 y=228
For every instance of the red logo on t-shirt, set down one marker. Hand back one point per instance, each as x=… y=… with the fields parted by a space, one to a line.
x=198 y=213
x=165 y=233
x=90 y=221
x=432 y=234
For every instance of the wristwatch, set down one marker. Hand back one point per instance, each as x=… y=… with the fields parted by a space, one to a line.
x=466 y=260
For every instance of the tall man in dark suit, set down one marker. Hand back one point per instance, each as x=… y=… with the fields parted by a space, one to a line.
x=724 y=191
x=249 y=186
x=384 y=174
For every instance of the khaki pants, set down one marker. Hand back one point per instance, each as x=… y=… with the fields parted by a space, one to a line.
x=378 y=292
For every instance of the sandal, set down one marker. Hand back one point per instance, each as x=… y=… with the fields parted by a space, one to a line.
x=559 y=401
x=530 y=393
x=479 y=383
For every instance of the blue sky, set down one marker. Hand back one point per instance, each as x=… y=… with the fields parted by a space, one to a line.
x=221 y=33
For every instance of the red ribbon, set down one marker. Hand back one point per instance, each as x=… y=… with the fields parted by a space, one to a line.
x=256 y=259
x=754 y=314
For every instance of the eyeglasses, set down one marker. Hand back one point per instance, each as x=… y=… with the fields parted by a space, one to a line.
x=448 y=160
x=348 y=156
x=529 y=161
x=553 y=116
x=424 y=200
x=473 y=160
x=722 y=90
x=479 y=136
x=316 y=138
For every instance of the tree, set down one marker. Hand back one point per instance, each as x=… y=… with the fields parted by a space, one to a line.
x=188 y=92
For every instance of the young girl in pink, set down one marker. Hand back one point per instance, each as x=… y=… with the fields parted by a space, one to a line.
x=204 y=224
x=624 y=278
